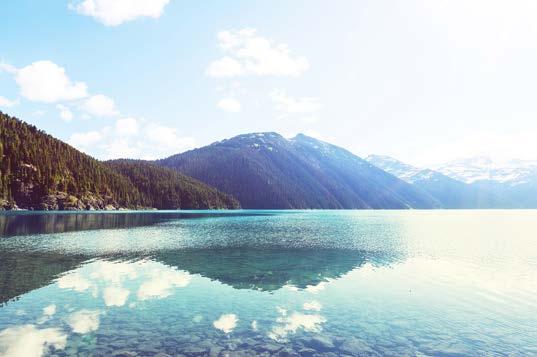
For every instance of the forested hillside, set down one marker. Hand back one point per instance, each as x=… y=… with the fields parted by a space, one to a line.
x=38 y=171
x=164 y=188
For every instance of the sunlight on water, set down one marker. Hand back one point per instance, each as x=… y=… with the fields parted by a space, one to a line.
x=288 y=283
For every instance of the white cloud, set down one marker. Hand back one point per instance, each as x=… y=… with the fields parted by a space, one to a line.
x=6 y=67
x=131 y=138
x=65 y=113
x=251 y=54
x=226 y=322
x=45 y=81
x=116 y=12
x=168 y=138
x=115 y=296
x=287 y=104
x=4 y=102
x=85 y=139
x=225 y=67
x=84 y=321
x=100 y=106
x=229 y=105
x=28 y=341
x=127 y=126
x=121 y=148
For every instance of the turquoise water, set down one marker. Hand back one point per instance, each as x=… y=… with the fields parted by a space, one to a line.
x=287 y=283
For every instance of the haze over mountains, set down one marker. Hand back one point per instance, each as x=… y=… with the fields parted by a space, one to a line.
x=258 y=170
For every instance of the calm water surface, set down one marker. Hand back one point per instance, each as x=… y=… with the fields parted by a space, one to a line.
x=300 y=283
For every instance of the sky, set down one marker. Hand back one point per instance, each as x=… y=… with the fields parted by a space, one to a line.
x=423 y=81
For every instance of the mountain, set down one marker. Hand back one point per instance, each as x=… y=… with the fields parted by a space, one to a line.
x=449 y=192
x=515 y=179
x=265 y=170
x=38 y=171
x=164 y=188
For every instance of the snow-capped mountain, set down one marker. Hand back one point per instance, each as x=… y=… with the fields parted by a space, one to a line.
x=451 y=193
x=514 y=179
x=405 y=172
x=472 y=170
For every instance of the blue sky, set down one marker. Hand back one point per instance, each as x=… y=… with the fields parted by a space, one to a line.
x=423 y=81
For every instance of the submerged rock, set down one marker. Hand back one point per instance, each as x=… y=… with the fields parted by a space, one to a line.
x=215 y=351
x=306 y=352
x=124 y=353
x=194 y=350
x=321 y=343
x=270 y=347
x=354 y=346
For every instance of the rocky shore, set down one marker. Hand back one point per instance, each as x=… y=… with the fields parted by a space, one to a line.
x=62 y=201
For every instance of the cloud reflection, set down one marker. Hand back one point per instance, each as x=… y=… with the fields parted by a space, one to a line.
x=161 y=282
x=226 y=322
x=114 y=281
x=287 y=324
x=312 y=306
x=28 y=341
x=74 y=281
x=84 y=321
x=115 y=296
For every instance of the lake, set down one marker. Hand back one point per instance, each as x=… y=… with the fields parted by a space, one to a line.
x=286 y=283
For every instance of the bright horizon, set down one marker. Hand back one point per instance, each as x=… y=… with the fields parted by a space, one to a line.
x=422 y=82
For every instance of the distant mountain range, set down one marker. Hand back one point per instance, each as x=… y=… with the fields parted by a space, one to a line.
x=515 y=180
x=479 y=169
x=451 y=193
x=471 y=183
x=258 y=170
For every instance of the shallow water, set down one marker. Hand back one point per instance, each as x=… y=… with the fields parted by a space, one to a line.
x=269 y=282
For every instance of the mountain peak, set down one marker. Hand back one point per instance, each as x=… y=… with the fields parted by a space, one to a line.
x=265 y=170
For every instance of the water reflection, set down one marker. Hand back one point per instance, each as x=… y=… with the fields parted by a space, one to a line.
x=304 y=284
x=25 y=223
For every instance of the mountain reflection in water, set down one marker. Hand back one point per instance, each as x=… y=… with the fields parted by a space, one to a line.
x=263 y=269
x=270 y=269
